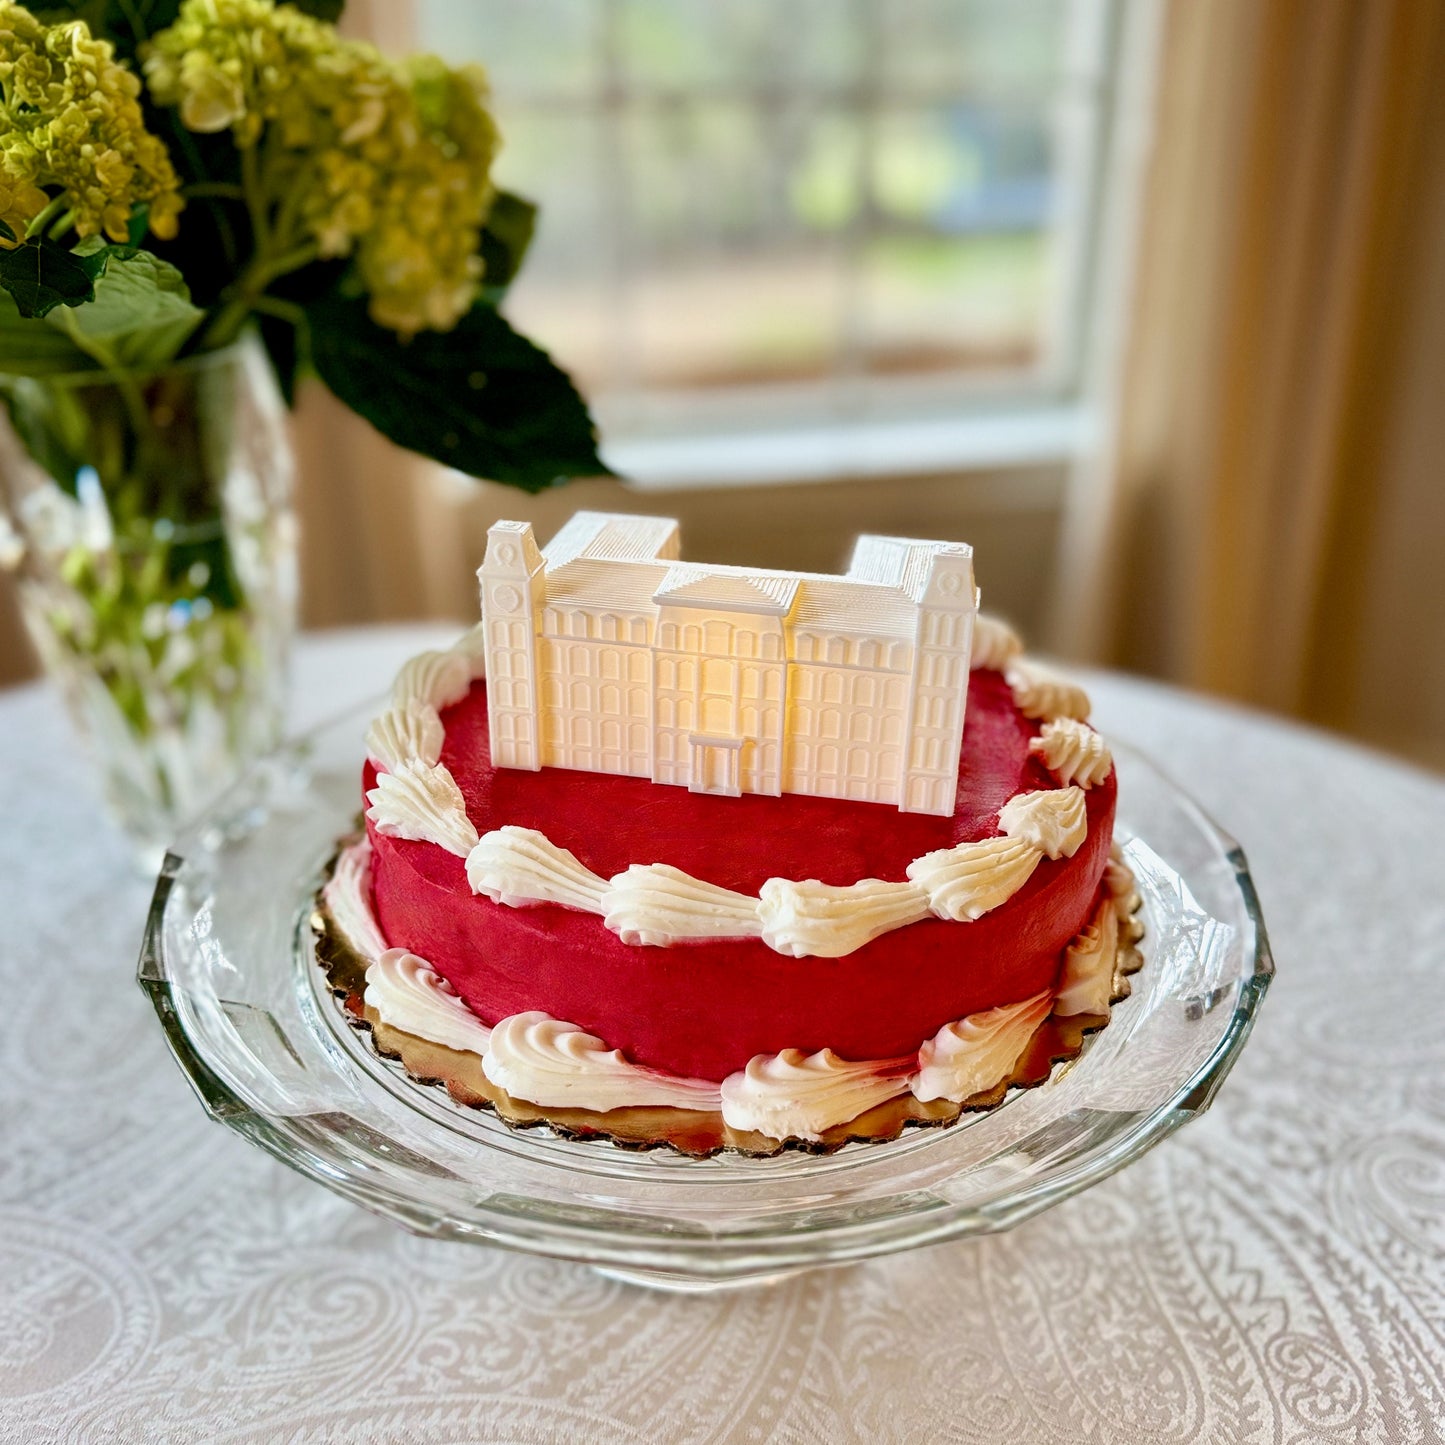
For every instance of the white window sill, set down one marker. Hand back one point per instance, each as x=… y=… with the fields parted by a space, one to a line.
x=926 y=447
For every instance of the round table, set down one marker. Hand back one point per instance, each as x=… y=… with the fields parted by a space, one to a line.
x=1276 y=1272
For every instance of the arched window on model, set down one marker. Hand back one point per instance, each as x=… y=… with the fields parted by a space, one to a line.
x=717 y=716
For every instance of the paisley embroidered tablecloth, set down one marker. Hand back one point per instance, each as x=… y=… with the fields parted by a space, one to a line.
x=1275 y=1272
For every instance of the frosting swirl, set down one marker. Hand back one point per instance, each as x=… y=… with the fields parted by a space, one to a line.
x=1073 y=752
x=977 y=1053
x=410 y=995
x=1041 y=694
x=544 y=1061
x=818 y=920
x=1086 y=982
x=657 y=904
x=1120 y=885
x=793 y=1095
x=347 y=898
x=965 y=882
x=520 y=866
x=436 y=678
x=410 y=733
x=424 y=804
x=995 y=643
x=472 y=645
x=1053 y=820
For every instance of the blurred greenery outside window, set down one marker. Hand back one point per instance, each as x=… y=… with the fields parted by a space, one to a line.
x=764 y=217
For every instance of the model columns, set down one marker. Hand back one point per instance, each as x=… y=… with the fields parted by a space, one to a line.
x=941 y=655
x=514 y=585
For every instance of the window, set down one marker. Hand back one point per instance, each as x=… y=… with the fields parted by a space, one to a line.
x=772 y=215
x=717 y=716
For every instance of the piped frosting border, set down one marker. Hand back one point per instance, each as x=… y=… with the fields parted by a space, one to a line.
x=790 y=1096
x=657 y=905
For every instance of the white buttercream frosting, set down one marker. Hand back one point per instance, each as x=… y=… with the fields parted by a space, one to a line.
x=977 y=1053
x=472 y=645
x=793 y=1095
x=520 y=866
x=1054 y=820
x=347 y=896
x=411 y=733
x=995 y=643
x=423 y=804
x=655 y=903
x=1120 y=885
x=818 y=920
x=554 y=1064
x=408 y=994
x=1086 y=982
x=965 y=882
x=1040 y=693
x=1073 y=752
x=436 y=678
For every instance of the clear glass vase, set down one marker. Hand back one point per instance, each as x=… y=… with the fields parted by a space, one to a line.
x=148 y=520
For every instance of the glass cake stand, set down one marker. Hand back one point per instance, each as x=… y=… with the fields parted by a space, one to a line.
x=229 y=965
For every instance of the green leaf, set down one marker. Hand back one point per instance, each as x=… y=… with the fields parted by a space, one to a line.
x=327 y=10
x=142 y=313
x=140 y=223
x=42 y=275
x=30 y=347
x=479 y=397
x=505 y=238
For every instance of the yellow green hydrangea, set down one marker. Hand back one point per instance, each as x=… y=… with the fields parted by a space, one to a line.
x=357 y=155
x=70 y=120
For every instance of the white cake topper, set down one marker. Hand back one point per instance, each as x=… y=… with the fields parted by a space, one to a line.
x=606 y=653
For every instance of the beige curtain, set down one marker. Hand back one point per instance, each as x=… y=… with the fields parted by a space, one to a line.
x=1268 y=517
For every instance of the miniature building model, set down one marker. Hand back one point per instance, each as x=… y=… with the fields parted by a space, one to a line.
x=605 y=652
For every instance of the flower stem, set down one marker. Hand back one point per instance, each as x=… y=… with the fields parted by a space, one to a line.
x=248 y=290
x=223 y=189
x=282 y=310
x=40 y=222
x=255 y=198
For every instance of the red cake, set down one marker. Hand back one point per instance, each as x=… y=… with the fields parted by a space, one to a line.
x=596 y=949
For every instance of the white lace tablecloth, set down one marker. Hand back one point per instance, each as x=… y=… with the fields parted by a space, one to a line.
x=1275 y=1272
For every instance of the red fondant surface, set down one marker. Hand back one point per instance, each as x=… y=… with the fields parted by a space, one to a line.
x=705 y=1009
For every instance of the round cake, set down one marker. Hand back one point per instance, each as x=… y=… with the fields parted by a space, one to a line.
x=719 y=965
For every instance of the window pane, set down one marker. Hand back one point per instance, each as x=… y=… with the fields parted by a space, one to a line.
x=954 y=272
x=736 y=275
x=809 y=191
x=546 y=46
x=940 y=303
x=742 y=45
x=566 y=296
x=982 y=46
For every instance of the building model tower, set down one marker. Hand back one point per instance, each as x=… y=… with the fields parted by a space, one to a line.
x=607 y=653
